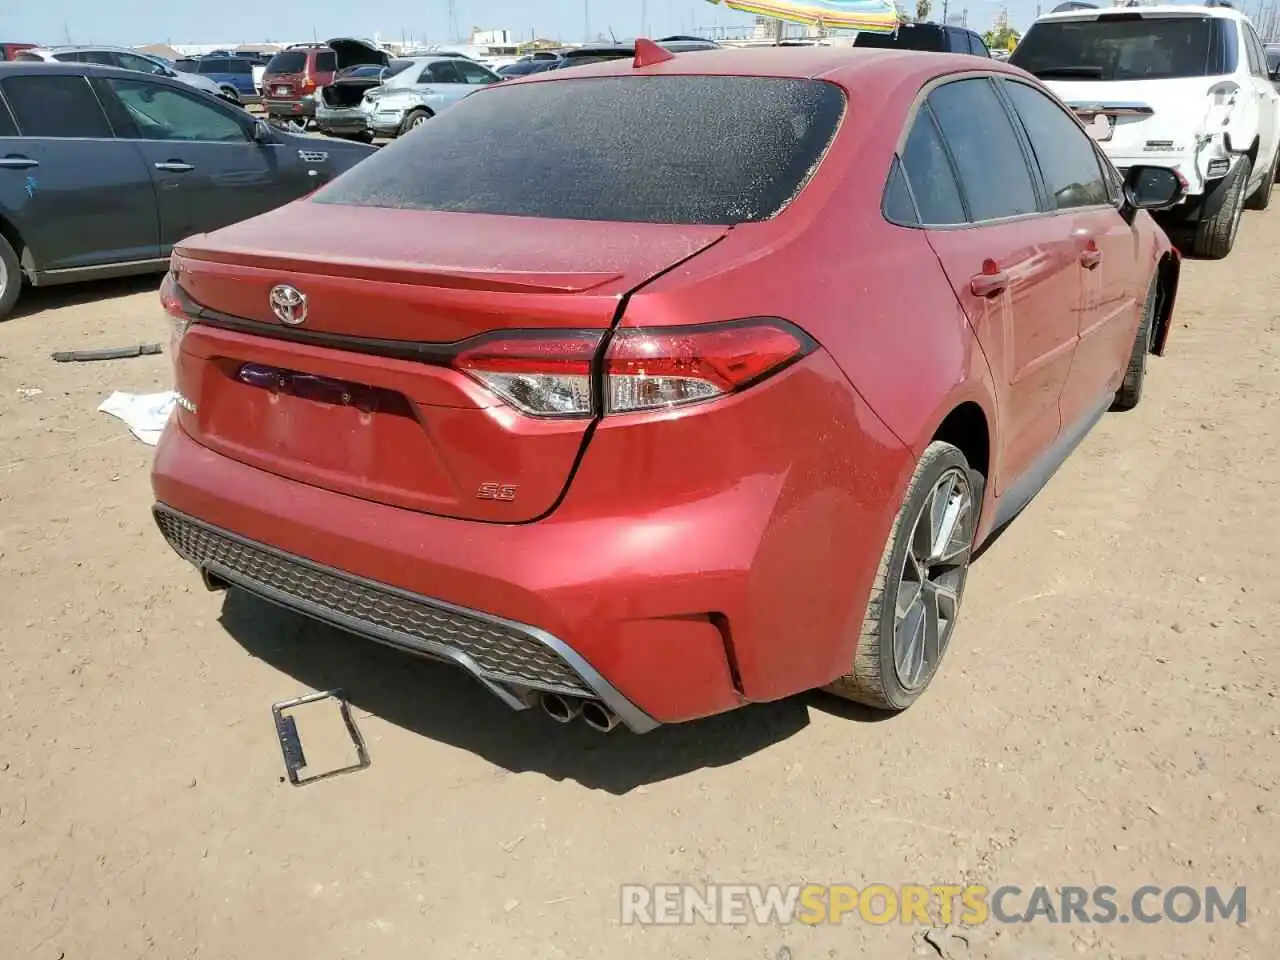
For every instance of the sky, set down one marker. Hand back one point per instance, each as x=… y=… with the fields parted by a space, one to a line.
x=132 y=22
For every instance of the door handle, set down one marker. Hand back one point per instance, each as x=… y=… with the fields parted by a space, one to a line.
x=174 y=166
x=1090 y=259
x=988 y=284
x=16 y=162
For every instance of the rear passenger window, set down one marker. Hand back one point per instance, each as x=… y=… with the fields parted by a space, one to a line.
x=989 y=159
x=977 y=47
x=55 y=107
x=7 y=128
x=933 y=183
x=1064 y=152
x=898 y=205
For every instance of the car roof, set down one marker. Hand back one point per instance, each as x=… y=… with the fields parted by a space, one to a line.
x=840 y=64
x=50 y=68
x=1162 y=10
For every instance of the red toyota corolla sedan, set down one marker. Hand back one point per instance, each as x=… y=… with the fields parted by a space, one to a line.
x=650 y=389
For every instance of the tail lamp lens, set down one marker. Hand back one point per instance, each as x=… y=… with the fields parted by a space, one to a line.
x=652 y=369
x=549 y=374
x=174 y=308
x=544 y=375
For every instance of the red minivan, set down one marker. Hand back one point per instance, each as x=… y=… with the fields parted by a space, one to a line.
x=294 y=76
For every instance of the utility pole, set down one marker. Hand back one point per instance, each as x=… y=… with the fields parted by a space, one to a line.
x=644 y=18
x=944 y=12
x=964 y=17
x=586 y=21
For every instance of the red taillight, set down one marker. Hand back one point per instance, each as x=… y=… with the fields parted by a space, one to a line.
x=549 y=374
x=546 y=375
x=652 y=369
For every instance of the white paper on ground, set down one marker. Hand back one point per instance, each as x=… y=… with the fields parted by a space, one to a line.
x=145 y=413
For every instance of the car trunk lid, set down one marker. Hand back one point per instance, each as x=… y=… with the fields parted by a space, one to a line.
x=1144 y=118
x=362 y=397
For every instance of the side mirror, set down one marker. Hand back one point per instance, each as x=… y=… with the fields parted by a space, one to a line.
x=1152 y=188
x=262 y=132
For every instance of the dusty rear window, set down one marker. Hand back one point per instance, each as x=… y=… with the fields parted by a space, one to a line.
x=667 y=149
x=291 y=62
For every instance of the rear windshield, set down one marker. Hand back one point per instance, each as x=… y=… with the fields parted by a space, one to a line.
x=291 y=62
x=1127 y=47
x=665 y=149
x=907 y=38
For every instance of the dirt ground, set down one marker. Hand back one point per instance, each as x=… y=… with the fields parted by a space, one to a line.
x=1108 y=713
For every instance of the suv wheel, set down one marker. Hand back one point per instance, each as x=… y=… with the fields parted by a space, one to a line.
x=1216 y=235
x=917 y=592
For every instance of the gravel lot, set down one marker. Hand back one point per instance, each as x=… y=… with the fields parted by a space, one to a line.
x=1108 y=714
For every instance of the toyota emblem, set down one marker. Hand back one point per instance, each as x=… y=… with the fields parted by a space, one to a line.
x=289 y=304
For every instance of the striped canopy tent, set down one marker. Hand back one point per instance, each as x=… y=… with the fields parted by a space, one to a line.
x=873 y=16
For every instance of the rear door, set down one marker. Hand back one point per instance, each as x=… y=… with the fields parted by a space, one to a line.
x=80 y=196
x=1113 y=285
x=207 y=170
x=1014 y=271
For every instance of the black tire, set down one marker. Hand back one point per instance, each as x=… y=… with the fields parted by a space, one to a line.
x=1260 y=199
x=231 y=95
x=1216 y=235
x=414 y=119
x=365 y=137
x=1130 y=391
x=875 y=679
x=11 y=281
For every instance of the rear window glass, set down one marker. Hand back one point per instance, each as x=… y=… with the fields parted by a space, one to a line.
x=1125 y=47
x=291 y=62
x=906 y=38
x=674 y=149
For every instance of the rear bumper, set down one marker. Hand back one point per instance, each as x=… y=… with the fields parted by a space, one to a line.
x=512 y=660
x=289 y=108
x=686 y=571
x=341 y=120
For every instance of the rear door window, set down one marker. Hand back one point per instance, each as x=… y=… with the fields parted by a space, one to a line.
x=929 y=173
x=56 y=107
x=989 y=158
x=649 y=149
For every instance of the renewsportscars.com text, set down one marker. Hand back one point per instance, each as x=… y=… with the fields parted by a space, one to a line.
x=973 y=905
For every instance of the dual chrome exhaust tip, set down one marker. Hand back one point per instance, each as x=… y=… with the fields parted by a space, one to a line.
x=566 y=709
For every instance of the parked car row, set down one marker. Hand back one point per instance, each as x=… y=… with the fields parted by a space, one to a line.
x=606 y=386
x=125 y=59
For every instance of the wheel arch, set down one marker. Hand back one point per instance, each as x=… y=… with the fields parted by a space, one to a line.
x=11 y=233
x=1168 y=275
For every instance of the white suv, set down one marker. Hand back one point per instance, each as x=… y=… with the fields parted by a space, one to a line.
x=1185 y=87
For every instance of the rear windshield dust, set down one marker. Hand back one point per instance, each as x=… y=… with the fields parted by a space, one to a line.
x=669 y=149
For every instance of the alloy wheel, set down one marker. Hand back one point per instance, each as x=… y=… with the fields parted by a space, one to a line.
x=931 y=581
x=417 y=122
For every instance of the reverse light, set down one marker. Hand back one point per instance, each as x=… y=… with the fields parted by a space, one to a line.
x=544 y=375
x=658 y=368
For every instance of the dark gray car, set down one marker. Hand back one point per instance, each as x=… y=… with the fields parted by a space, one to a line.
x=103 y=170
